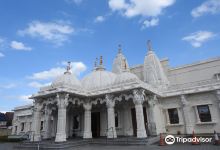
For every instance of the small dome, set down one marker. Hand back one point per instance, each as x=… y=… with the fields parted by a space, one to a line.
x=125 y=77
x=99 y=78
x=67 y=80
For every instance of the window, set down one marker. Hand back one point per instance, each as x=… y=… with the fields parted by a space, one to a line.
x=173 y=116
x=22 y=126
x=116 y=119
x=204 y=113
x=76 y=122
x=41 y=125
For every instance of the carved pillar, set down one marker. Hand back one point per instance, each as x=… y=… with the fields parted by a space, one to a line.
x=187 y=116
x=87 y=121
x=218 y=97
x=138 y=101
x=110 y=103
x=62 y=102
x=36 y=123
x=152 y=124
x=48 y=126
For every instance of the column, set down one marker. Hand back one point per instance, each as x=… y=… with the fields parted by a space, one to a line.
x=187 y=116
x=48 y=126
x=110 y=103
x=218 y=97
x=36 y=123
x=87 y=121
x=152 y=124
x=62 y=102
x=138 y=101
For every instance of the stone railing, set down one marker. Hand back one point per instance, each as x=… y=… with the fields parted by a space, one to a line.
x=193 y=84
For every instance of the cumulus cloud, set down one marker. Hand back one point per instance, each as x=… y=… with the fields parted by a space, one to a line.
x=99 y=19
x=55 y=32
x=77 y=69
x=196 y=39
x=146 y=8
x=150 y=23
x=207 y=7
x=1 y=55
x=36 y=84
x=19 y=46
x=25 y=98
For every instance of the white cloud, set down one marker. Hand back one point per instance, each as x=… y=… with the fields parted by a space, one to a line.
x=25 y=98
x=207 y=7
x=8 y=86
x=19 y=46
x=146 y=8
x=99 y=19
x=196 y=39
x=1 y=55
x=36 y=84
x=150 y=23
x=77 y=68
x=55 y=32
x=74 y=1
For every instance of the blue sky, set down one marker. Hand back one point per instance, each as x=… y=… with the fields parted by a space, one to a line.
x=37 y=37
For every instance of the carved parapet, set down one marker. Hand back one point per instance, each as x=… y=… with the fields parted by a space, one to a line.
x=138 y=96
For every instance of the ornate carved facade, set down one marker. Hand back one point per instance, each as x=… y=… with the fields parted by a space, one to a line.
x=141 y=101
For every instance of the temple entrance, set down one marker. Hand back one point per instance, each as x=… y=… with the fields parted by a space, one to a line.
x=134 y=121
x=95 y=124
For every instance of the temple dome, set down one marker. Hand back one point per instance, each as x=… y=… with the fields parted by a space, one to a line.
x=99 y=78
x=67 y=80
x=126 y=77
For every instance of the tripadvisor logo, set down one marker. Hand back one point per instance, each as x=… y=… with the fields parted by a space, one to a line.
x=170 y=139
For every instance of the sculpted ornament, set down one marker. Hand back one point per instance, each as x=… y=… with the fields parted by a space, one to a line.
x=153 y=100
x=218 y=95
x=109 y=101
x=138 y=96
x=183 y=100
x=37 y=106
x=62 y=100
x=87 y=106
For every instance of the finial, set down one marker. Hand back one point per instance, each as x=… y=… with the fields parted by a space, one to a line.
x=101 y=61
x=119 y=48
x=68 y=67
x=149 y=45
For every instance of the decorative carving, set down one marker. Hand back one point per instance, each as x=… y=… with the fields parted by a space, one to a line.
x=62 y=100
x=152 y=100
x=87 y=106
x=110 y=103
x=138 y=96
x=218 y=95
x=183 y=100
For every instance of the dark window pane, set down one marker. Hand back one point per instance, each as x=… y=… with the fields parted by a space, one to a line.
x=204 y=113
x=76 y=122
x=173 y=115
x=41 y=125
x=116 y=119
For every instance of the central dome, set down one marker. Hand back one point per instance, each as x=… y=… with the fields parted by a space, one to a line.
x=97 y=79
x=126 y=77
x=67 y=80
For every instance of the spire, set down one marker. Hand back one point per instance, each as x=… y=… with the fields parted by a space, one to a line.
x=68 y=68
x=149 y=46
x=119 y=49
x=101 y=61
